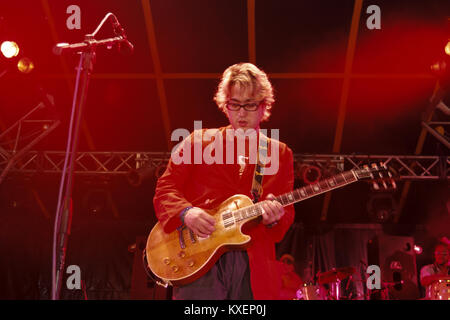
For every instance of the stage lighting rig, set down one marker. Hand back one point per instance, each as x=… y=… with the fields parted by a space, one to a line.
x=11 y=52
x=437 y=127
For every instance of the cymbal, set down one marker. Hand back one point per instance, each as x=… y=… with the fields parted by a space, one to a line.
x=335 y=274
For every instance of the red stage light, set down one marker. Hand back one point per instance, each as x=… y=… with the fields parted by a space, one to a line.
x=9 y=49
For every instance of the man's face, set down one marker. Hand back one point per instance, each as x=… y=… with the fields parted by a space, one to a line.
x=243 y=119
x=441 y=255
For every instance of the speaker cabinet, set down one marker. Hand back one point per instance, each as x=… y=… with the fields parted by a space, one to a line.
x=397 y=261
x=142 y=286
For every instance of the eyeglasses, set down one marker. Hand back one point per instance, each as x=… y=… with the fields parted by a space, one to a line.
x=232 y=106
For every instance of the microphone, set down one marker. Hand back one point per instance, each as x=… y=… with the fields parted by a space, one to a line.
x=63 y=47
x=127 y=47
x=118 y=30
x=121 y=40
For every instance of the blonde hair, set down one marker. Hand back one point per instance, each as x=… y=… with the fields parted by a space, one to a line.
x=248 y=77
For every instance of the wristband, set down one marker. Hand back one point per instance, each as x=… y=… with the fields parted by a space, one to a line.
x=183 y=213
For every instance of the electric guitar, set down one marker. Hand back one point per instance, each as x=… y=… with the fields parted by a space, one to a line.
x=180 y=257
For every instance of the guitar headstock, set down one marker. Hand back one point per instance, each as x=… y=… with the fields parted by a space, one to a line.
x=380 y=176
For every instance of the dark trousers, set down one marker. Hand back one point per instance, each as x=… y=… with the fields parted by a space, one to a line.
x=228 y=279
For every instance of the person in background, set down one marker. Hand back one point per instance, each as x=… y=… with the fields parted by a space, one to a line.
x=290 y=280
x=439 y=268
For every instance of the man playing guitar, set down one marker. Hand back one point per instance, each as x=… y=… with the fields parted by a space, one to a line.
x=186 y=191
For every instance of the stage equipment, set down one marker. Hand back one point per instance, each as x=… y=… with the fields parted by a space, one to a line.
x=119 y=163
x=87 y=50
x=308 y=173
x=441 y=70
x=418 y=249
x=25 y=65
x=439 y=290
x=137 y=176
x=23 y=129
x=10 y=49
x=310 y=291
x=333 y=279
x=381 y=207
x=143 y=284
x=397 y=260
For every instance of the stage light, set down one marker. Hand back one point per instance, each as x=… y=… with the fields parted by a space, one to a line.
x=381 y=207
x=9 y=49
x=447 y=48
x=418 y=249
x=439 y=68
x=25 y=65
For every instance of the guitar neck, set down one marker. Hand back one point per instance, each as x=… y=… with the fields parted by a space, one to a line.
x=300 y=194
x=309 y=191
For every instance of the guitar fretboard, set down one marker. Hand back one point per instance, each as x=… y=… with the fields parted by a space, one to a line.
x=299 y=194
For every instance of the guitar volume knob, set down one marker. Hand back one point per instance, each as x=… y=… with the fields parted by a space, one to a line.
x=166 y=261
x=175 y=269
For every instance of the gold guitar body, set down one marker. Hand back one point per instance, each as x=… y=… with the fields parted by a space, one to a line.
x=179 y=259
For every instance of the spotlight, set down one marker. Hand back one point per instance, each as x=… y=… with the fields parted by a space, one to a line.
x=418 y=249
x=381 y=207
x=447 y=48
x=439 y=68
x=9 y=49
x=308 y=173
x=25 y=65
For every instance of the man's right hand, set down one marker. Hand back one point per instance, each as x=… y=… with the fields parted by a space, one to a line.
x=200 y=222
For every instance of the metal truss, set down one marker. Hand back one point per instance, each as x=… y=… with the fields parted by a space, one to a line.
x=404 y=167
x=24 y=129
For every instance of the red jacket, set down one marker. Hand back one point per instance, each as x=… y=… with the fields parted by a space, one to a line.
x=207 y=185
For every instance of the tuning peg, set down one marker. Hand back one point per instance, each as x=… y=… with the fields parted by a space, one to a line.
x=393 y=184
x=376 y=186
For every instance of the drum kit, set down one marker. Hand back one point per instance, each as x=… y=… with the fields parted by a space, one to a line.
x=329 y=285
x=439 y=290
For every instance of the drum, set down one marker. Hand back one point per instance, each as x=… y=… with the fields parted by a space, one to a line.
x=439 y=290
x=310 y=292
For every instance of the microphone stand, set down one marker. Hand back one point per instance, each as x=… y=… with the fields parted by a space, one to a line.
x=63 y=217
x=64 y=214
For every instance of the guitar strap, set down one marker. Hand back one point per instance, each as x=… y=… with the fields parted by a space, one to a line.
x=258 y=175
